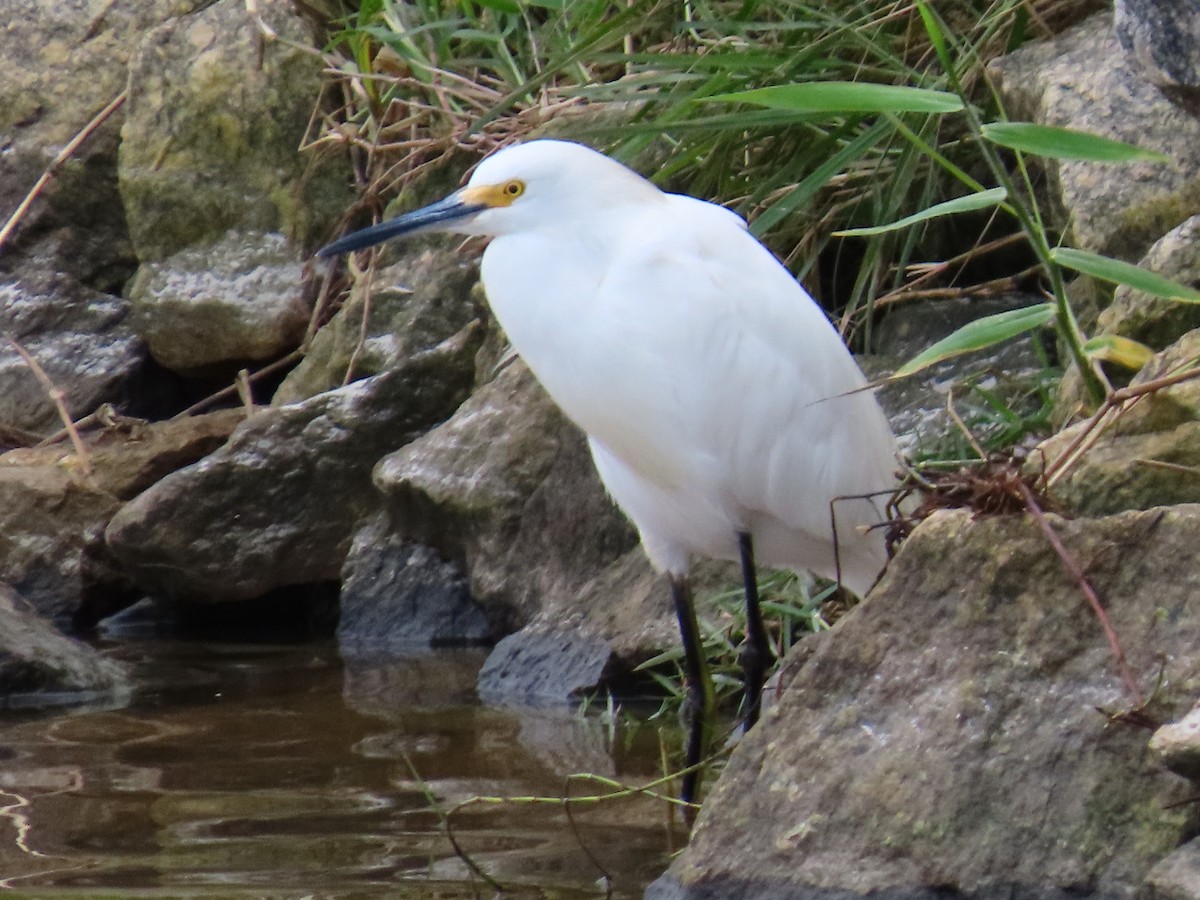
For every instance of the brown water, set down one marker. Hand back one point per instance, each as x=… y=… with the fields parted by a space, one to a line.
x=253 y=771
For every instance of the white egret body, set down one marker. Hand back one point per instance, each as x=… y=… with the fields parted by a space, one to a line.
x=722 y=409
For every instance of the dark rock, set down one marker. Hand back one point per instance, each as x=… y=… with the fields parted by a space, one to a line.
x=426 y=297
x=396 y=594
x=81 y=338
x=215 y=113
x=53 y=515
x=1082 y=80
x=540 y=665
x=209 y=310
x=277 y=505
x=916 y=406
x=39 y=665
x=964 y=754
x=1162 y=38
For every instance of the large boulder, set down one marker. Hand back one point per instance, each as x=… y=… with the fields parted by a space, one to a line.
x=975 y=749
x=277 y=505
x=1162 y=38
x=216 y=112
x=1082 y=79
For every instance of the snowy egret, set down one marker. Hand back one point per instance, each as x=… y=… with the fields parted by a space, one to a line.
x=724 y=413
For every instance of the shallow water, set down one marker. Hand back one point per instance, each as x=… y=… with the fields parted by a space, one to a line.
x=250 y=771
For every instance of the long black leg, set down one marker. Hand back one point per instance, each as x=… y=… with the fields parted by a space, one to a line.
x=756 y=653
x=699 y=686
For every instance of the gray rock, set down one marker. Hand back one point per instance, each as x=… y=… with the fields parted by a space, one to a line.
x=1178 y=745
x=1178 y=876
x=277 y=505
x=215 y=114
x=964 y=754
x=52 y=516
x=1082 y=80
x=39 y=665
x=397 y=594
x=81 y=338
x=544 y=665
x=1153 y=321
x=209 y=310
x=415 y=304
x=1162 y=38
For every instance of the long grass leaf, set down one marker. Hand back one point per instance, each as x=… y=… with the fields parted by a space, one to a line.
x=966 y=203
x=1118 y=272
x=979 y=335
x=1066 y=143
x=845 y=97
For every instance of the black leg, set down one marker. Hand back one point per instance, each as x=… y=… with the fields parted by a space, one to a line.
x=699 y=704
x=756 y=652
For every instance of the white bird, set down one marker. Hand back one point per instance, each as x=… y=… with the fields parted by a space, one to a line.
x=723 y=411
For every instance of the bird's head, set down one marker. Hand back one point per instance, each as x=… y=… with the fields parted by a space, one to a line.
x=538 y=184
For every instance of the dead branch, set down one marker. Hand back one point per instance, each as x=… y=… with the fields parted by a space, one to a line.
x=58 y=398
x=57 y=163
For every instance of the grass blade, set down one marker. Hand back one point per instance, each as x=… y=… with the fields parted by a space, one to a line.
x=1065 y=143
x=1122 y=351
x=1114 y=270
x=966 y=203
x=981 y=333
x=845 y=97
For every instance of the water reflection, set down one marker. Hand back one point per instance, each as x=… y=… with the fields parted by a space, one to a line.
x=245 y=771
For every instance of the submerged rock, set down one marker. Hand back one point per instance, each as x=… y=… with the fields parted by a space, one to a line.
x=947 y=738
x=38 y=664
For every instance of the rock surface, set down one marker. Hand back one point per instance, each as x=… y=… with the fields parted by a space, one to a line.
x=967 y=756
x=1146 y=457
x=277 y=505
x=1150 y=320
x=215 y=113
x=83 y=341
x=1178 y=876
x=1162 y=38
x=1178 y=745
x=1118 y=210
x=210 y=310
x=39 y=665
x=397 y=595
x=425 y=297
x=52 y=515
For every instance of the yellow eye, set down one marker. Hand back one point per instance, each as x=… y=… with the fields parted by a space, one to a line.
x=514 y=189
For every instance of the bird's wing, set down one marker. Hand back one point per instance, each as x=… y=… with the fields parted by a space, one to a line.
x=729 y=375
